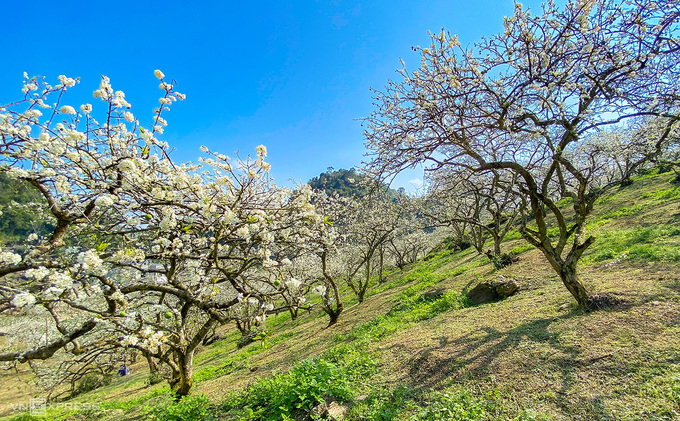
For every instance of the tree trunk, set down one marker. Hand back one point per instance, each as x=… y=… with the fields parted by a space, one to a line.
x=183 y=379
x=360 y=294
x=339 y=306
x=575 y=287
x=333 y=315
x=153 y=365
x=382 y=256
x=567 y=271
x=497 y=245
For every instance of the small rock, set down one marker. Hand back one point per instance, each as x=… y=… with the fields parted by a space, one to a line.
x=319 y=411
x=337 y=412
x=507 y=288
x=492 y=291
x=482 y=293
x=432 y=295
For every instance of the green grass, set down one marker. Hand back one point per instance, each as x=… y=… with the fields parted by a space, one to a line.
x=230 y=365
x=657 y=243
x=405 y=403
x=411 y=307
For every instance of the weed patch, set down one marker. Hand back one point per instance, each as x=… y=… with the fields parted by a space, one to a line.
x=414 y=405
x=192 y=407
x=657 y=243
x=335 y=374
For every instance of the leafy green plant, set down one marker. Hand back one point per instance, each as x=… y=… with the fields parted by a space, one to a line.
x=521 y=249
x=154 y=378
x=192 y=407
x=461 y=405
x=334 y=374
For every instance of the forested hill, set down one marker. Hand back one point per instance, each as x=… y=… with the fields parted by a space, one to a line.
x=346 y=183
x=18 y=217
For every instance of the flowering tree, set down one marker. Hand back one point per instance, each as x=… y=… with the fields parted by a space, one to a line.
x=324 y=248
x=150 y=254
x=368 y=228
x=522 y=100
x=623 y=151
x=477 y=205
x=412 y=243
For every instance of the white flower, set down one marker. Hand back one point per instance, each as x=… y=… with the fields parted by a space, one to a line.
x=128 y=116
x=319 y=290
x=32 y=237
x=89 y=260
x=61 y=280
x=67 y=81
x=30 y=114
x=243 y=232
x=103 y=201
x=9 y=258
x=261 y=151
x=52 y=293
x=155 y=340
x=293 y=283
x=67 y=109
x=38 y=274
x=127 y=165
x=23 y=299
x=118 y=296
x=158 y=74
x=129 y=340
x=168 y=222
x=86 y=108
x=119 y=100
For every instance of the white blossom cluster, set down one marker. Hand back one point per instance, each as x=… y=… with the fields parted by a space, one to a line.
x=138 y=237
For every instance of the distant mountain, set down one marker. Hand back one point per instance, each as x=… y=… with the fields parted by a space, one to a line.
x=345 y=183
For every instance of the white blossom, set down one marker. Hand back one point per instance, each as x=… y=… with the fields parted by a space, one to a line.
x=319 y=290
x=67 y=109
x=23 y=299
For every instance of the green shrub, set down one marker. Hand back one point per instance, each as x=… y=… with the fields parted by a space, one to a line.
x=189 y=408
x=334 y=374
x=154 y=378
x=412 y=404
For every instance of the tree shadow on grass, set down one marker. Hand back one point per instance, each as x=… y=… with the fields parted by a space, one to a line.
x=475 y=355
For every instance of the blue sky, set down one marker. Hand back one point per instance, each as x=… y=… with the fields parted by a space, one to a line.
x=292 y=75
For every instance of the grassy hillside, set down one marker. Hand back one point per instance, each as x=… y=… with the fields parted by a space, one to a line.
x=404 y=355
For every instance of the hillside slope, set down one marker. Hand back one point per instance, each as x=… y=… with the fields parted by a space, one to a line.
x=404 y=355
